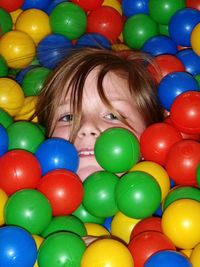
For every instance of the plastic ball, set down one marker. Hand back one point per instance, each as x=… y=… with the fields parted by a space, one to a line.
x=5 y=119
x=131 y=8
x=38 y=241
x=145 y=244
x=185 y=112
x=19 y=170
x=99 y=194
x=180 y=222
x=10 y=5
x=3 y=67
x=193 y=4
x=17 y=48
x=114 y=4
x=69 y=20
x=27 y=110
x=173 y=85
x=17 y=247
x=158 y=45
x=181 y=192
x=182 y=161
x=117 y=150
x=190 y=60
x=64 y=248
x=65 y=223
x=168 y=258
x=88 y=5
x=182 y=24
x=158 y=172
x=122 y=226
x=57 y=153
x=105 y=20
x=35 y=23
x=156 y=140
x=53 y=4
x=194 y=39
x=29 y=209
x=195 y=254
x=147 y=224
x=3 y=140
x=11 y=96
x=3 y=200
x=162 y=10
x=107 y=223
x=5 y=21
x=14 y=15
x=138 y=29
x=107 y=252
x=138 y=194
x=51 y=50
x=24 y=135
x=36 y=4
x=93 y=40
x=63 y=189
x=95 y=229
x=34 y=80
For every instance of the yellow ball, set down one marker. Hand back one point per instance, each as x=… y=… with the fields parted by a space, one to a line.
x=186 y=252
x=35 y=23
x=3 y=199
x=107 y=253
x=180 y=222
x=120 y=47
x=95 y=229
x=114 y=4
x=17 y=48
x=38 y=241
x=27 y=109
x=158 y=172
x=122 y=226
x=11 y=96
x=14 y=15
x=195 y=256
x=195 y=39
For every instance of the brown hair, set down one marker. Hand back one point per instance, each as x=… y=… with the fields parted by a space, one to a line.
x=73 y=71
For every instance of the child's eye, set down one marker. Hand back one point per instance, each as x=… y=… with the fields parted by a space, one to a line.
x=111 y=116
x=66 y=118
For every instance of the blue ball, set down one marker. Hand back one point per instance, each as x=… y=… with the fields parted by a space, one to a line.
x=133 y=7
x=57 y=153
x=173 y=85
x=167 y=258
x=93 y=40
x=190 y=60
x=181 y=25
x=4 y=140
x=17 y=247
x=38 y=4
x=52 y=49
x=107 y=223
x=21 y=74
x=52 y=5
x=159 y=45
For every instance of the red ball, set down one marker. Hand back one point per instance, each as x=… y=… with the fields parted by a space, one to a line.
x=147 y=224
x=156 y=141
x=106 y=21
x=88 y=5
x=64 y=190
x=19 y=169
x=143 y=245
x=166 y=64
x=193 y=4
x=185 y=112
x=182 y=161
x=11 y=5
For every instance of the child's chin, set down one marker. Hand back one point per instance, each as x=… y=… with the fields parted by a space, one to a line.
x=83 y=173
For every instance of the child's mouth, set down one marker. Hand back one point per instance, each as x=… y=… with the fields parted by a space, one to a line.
x=86 y=153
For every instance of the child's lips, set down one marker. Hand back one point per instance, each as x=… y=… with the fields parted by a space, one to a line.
x=86 y=153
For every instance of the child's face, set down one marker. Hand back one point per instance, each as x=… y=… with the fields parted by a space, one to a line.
x=96 y=118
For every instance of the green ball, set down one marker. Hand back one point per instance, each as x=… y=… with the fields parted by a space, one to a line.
x=65 y=223
x=34 y=80
x=117 y=150
x=61 y=250
x=138 y=29
x=86 y=217
x=181 y=192
x=5 y=21
x=163 y=29
x=5 y=118
x=162 y=10
x=29 y=209
x=69 y=20
x=3 y=67
x=138 y=194
x=99 y=194
x=24 y=135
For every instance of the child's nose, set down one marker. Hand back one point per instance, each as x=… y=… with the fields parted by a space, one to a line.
x=87 y=130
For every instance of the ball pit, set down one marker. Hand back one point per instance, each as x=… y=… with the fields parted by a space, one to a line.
x=35 y=36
